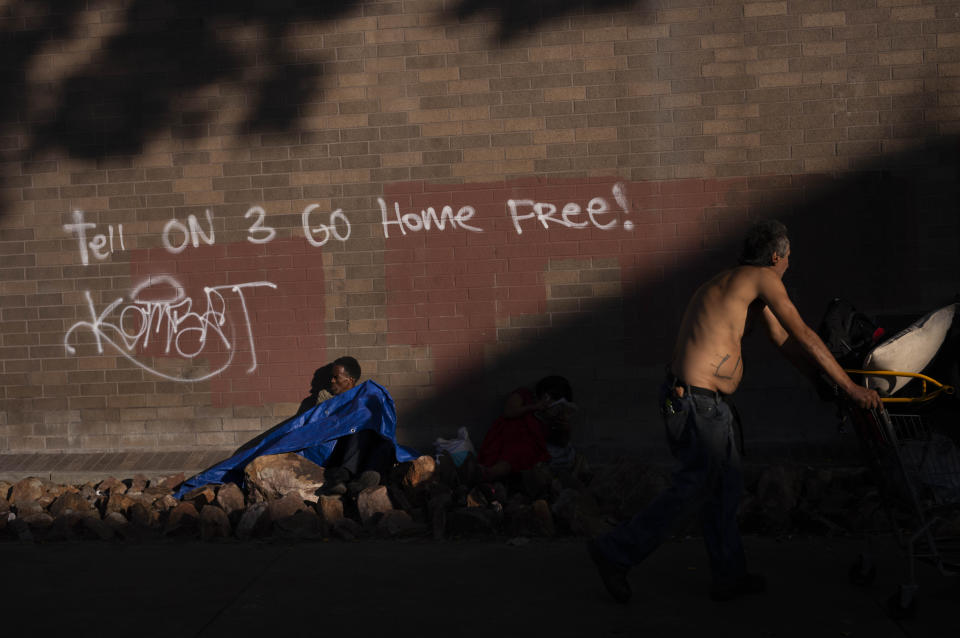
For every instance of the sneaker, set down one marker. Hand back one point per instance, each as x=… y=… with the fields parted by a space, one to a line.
x=335 y=489
x=614 y=576
x=749 y=584
x=334 y=475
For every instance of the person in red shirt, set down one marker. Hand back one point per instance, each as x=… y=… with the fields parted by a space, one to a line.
x=519 y=439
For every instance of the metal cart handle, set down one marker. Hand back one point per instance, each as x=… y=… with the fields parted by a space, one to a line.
x=925 y=396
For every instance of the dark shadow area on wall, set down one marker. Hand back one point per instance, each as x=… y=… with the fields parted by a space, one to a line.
x=145 y=76
x=518 y=16
x=886 y=237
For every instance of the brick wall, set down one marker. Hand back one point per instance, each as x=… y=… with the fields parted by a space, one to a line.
x=199 y=206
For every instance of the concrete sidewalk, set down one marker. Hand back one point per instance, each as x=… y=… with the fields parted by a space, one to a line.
x=453 y=588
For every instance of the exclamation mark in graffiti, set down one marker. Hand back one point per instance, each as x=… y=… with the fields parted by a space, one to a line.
x=619 y=193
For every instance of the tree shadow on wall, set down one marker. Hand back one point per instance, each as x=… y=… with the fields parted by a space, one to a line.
x=147 y=74
x=886 y=237
x=518 y=16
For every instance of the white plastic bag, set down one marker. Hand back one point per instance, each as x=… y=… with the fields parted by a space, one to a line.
x=458 y=448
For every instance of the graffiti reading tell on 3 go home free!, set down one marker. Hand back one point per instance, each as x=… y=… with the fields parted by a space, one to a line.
x=178 y=235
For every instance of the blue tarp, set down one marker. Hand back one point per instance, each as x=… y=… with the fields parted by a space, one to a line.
x=314 y=434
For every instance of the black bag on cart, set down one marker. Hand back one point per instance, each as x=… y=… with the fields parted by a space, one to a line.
x=849 y=335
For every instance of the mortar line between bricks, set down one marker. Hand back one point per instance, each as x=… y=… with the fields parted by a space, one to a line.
x=242 y=591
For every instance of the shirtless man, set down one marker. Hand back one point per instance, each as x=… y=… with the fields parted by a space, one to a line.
x=706 y=367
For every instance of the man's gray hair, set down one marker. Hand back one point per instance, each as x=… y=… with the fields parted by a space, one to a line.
x=763 y=240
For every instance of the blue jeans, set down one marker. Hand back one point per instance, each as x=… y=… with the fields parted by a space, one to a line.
x=708 y=480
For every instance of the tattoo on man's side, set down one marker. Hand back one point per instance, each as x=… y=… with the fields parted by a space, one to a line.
x=716 y=372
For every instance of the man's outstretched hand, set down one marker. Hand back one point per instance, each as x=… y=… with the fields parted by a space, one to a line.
x=864 y=397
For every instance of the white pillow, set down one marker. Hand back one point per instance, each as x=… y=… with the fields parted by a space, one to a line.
x=910 y=350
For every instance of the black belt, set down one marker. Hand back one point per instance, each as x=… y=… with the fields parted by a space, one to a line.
x=677 y=382
x=705 y=392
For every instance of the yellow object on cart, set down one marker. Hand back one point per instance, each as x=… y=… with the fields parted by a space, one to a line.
x=937 y=390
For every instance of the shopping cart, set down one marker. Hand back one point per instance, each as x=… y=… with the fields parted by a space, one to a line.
x=918 y=474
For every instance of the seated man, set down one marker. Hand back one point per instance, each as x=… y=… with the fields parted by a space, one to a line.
x=361 y=451
x=348 y=433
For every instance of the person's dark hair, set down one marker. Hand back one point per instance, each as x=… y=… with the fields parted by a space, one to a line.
x=350 y=365
x=321 y=379
x=555 y=386
x=763 y=240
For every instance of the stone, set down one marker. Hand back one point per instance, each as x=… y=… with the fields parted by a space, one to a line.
x=21 y=530
x=541 y=509
x=579 y=512
x=330 y=509
x=276 y=475
x=373 y=500
x=420 y=471
x=625 y=488
x=37 y=520
x=254 y=522
x=398 y=496
x=26 y=508
x=26 y=490
x=521 y=520
x=230 y=498
x=60 y=530
x=52 y=491
x=141 y=516
x=152 y=497
x=120 y=526
x=118 y=502
x=137 y=484
x=95 y=528
x=201 y=496
x=303 y=524
x=285 y=507
x=156 y=491
x=347 y=529
x=89 y=493
x=777 y=495
x=214 y=523
x=470 y=520
x=111 y=485
x=69 y=501
x=394 y=523
x=172 y=482
x=182 y=520
x=165 y=503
